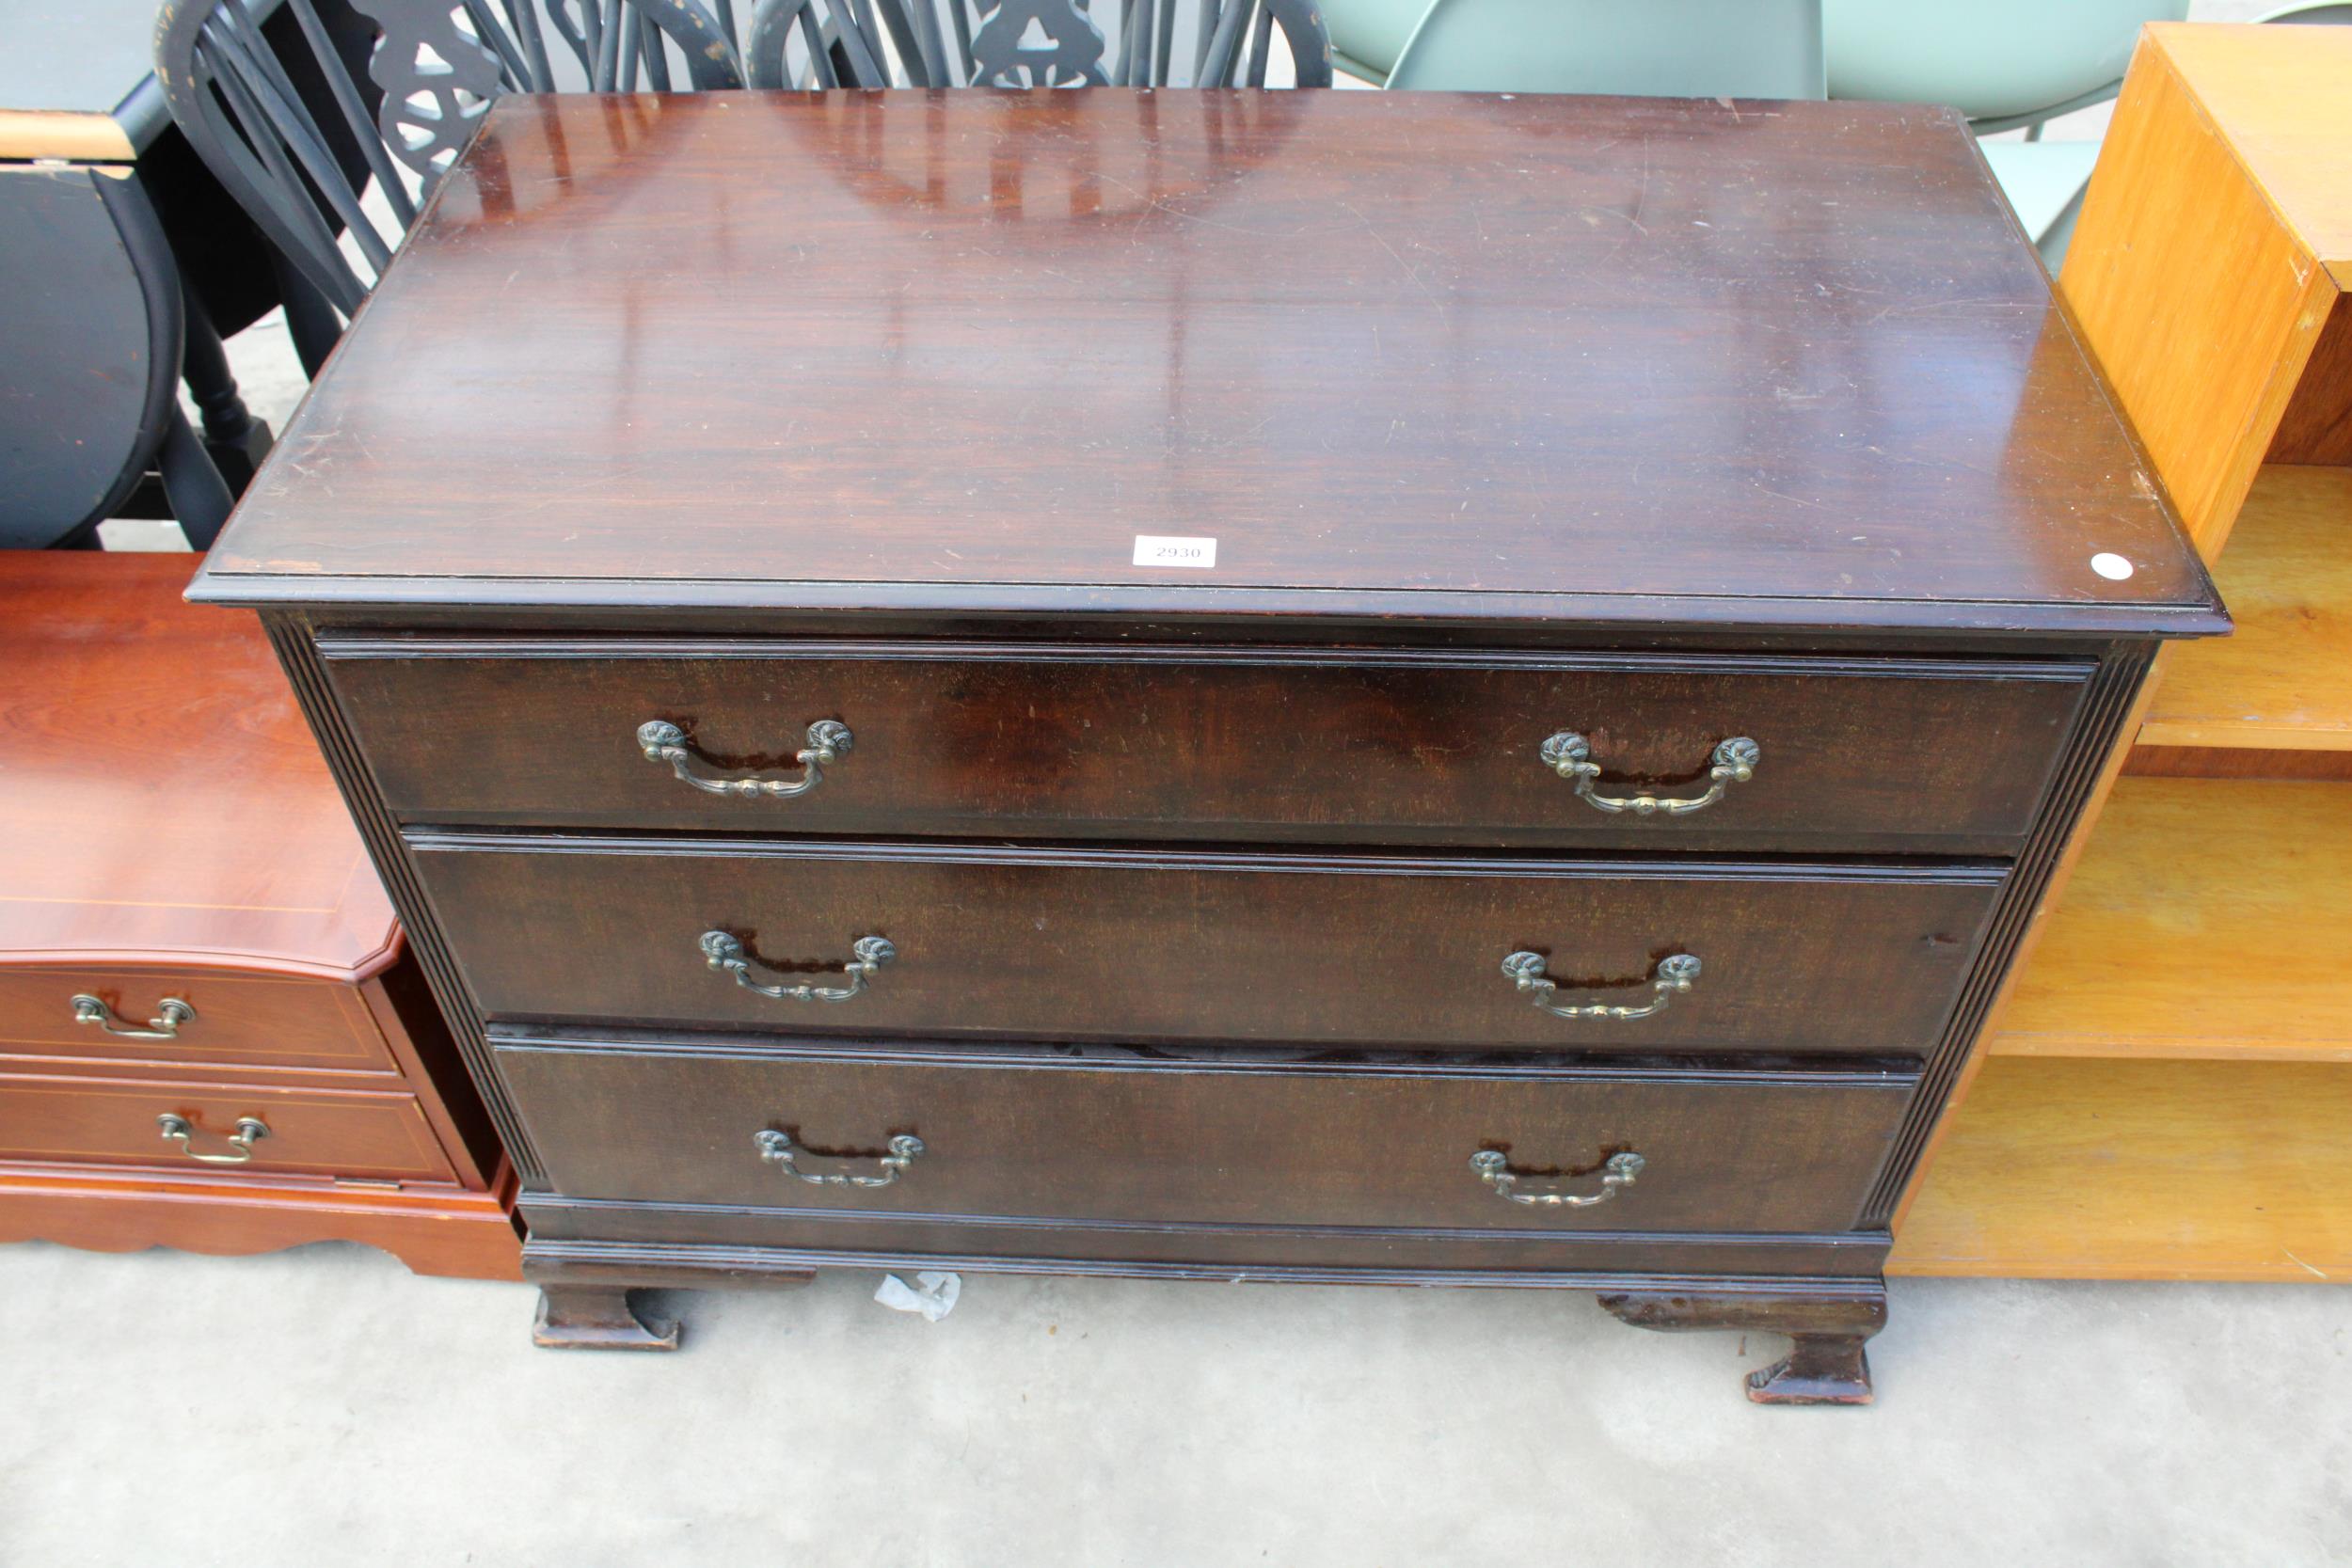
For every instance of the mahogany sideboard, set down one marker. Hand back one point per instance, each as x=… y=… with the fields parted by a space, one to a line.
x=212 y=1034
x=1410 y=689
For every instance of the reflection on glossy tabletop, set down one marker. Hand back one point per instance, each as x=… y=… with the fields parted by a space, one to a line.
x=162 y=795
x=1469 y=354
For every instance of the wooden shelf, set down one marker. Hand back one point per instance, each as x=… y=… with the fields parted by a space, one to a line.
x=2141 y=1171
x=2284 y=680
x=2207 y=919
x=2166 y=1091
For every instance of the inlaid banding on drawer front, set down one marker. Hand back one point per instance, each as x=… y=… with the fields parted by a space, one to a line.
x=1064 y=943
x=1331 y=745
x=1339 y=1147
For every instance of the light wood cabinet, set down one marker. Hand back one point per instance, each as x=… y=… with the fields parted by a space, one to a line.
x=2164 y=1092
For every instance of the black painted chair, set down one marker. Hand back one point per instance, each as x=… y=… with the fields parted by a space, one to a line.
x=333 y=139
x=90 y=354
x=334 y=178
x=1029 y=43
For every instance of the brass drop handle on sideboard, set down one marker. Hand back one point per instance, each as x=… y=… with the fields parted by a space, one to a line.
x=776 y=1148
x=1495 y=1170
x=828 y=742
x=1678 y=973
x=725 y=953
x=1570 y=755
x=250 y=1130
x=170 y=1014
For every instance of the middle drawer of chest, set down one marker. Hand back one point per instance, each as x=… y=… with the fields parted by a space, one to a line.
x=932 y=939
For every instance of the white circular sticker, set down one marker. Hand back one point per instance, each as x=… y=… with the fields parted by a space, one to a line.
x=2111 y=566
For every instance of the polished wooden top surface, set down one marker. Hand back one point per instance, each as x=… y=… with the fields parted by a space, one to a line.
x=1409 y=355
x=2279 y=96
x=161 y=798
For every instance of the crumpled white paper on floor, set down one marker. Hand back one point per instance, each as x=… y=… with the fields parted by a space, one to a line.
x=932 y=1294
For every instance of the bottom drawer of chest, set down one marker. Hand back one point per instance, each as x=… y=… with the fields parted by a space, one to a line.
x=253 y=1130
x=884 y=1132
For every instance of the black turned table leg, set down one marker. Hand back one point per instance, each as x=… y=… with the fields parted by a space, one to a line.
x=1825 y=1364
x=236 y=440
x=596 y=1317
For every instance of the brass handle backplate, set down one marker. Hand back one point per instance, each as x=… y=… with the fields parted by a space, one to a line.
x=170 y=1014
x=776 y=1148
x=1495 y=1170
x=725 y=953
x=1570 y=755
x=828 y=742
x=250 y=1130
x=1678 y=972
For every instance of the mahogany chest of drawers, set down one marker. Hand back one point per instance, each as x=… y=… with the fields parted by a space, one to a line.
x=1413 y=689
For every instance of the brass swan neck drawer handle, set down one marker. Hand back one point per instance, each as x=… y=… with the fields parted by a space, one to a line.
x=1570 y=755
x=828 y=742
x=1617 y=1175
x=726 y=954
x=170 y=1014
x=776 y=1148
x=250 y=1130
x=1678 y=972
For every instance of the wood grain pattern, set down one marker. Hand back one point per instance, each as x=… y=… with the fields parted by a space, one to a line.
x=2089 y=768
x=1320 y=745
x=382 y=1036
x=2280 y=103
x=2202 y=303
x=2141 y=1171
x=401 y=1005
x=164 y=800
x=694 y=1245
x=2317 y=427
x=2207 y=924
x=2283 y=679
x=2206 y=918
x=169 y=828
x=586 y=1317
x=2234 y=762
x=1427 y=351
x=2100 y=757
x=435 y=1231
x=461 y=1036
x=1467 y=390
x=1123 y=944
x=59 y=1120
x=1193 y=1144
x=245 y=1020
x=1825 y=1364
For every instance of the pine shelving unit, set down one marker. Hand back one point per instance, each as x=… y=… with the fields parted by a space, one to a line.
x=2165 y=1092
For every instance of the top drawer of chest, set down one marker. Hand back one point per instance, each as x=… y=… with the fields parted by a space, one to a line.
x=1326 y=745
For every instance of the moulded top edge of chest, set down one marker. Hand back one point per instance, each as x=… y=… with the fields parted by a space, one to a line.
x=1274 y=617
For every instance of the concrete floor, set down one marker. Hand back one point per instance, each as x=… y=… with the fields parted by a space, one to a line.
x=324 y=1406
